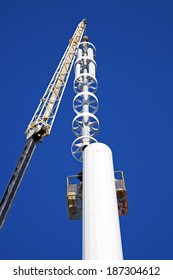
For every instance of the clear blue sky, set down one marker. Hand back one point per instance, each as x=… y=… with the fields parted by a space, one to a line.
x=135 y=69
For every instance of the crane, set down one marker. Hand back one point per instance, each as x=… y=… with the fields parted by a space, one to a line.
x=42 y=120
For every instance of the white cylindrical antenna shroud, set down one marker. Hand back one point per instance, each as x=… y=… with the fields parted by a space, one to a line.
x=78 y=63
x=101 y=229
x=92 y=67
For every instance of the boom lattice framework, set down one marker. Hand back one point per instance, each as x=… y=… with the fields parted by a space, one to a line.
x=47 y=109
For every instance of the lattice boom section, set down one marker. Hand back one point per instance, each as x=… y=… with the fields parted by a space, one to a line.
x=47 y=109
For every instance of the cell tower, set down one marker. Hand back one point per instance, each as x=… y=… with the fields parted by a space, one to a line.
x=97 y=194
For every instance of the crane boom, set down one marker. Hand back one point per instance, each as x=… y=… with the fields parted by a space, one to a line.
x=16 y=179
x=43 y=119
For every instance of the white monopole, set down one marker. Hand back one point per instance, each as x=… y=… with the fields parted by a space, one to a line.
x=101 y=229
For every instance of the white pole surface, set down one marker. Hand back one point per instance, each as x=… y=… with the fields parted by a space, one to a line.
x=101 y=229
